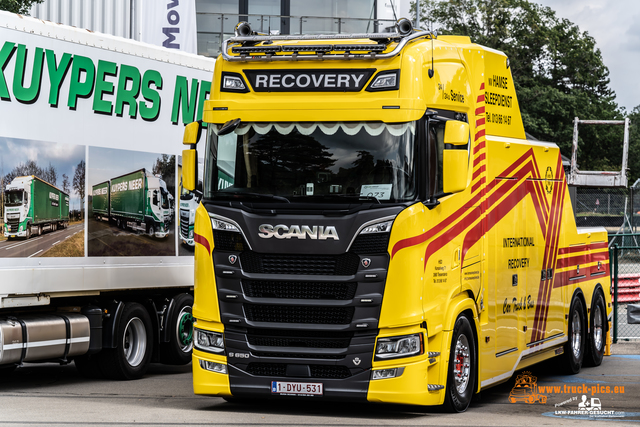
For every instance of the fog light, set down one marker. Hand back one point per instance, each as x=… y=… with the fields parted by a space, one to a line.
x=381 y=374
x=233 y=83
x=220 y=368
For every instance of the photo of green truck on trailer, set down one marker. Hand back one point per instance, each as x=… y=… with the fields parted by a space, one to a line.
x=33 y=206
x=138 y=201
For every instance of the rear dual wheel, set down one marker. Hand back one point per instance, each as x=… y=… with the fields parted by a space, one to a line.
x=134 y=337
x=597 y=332
x=574 y=348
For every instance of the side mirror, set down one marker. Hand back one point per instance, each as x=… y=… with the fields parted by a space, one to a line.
x=190 y=157
x=455 y=158
x=189 y=164
x=192 y=133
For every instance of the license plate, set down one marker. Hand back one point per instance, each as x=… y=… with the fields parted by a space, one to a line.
x=296 y=389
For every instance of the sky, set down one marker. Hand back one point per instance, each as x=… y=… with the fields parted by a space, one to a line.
x=64 y=157
x=615 y=25
x=107 y=163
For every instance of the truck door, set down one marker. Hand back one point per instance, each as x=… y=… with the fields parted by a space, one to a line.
x=508 y=264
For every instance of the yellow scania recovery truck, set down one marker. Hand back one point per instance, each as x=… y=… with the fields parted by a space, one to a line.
x=375 y=226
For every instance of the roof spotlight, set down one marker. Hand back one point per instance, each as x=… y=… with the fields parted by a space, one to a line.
x=243 y=29
x=404 y=26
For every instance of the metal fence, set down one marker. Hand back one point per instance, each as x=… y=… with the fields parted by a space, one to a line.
x=625 y=275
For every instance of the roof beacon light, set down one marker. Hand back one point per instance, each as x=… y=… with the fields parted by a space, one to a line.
x=404 y=26
x=243 y=29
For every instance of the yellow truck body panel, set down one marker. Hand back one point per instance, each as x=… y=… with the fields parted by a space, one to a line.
x=505 y=251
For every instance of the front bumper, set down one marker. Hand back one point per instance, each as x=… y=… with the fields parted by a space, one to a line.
x=409 y=388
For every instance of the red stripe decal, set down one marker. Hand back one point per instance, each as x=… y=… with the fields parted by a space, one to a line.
x=479 y=110
x=479 y=134
x=480 y=98
x=480 y=122
x=478 y=159
x=203 y=241
x=478 y=171
x=477 y=185
x=479 y=147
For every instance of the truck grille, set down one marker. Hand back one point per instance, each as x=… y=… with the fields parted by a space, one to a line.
x=280 y=370
x=298 y=290
x=184 y=223
x=295 y=314
x=298 y=355
x=228 y=241
x=13 y=223
x=376 y=243
x=293 y=338
x=331 y=265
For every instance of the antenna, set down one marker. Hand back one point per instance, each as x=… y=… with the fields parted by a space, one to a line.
x=393 y=9
x=431 y=70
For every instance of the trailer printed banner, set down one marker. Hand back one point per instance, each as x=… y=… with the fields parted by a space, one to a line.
x=41 y=189
x=132 y=203
x=72 y=100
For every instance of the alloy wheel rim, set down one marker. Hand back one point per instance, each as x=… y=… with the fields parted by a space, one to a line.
x=134 y=342
x=184 y=330
x=576 y=329
x=597 y=328
x=461 y=364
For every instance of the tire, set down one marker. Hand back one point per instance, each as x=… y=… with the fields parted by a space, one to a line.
x=89 y=366
x=461 y=379
x=178 y=350
x=118 y=223
x=151 y=230
x=574 y=349
x=28 y=230
x=134 y=337
x=598 y=331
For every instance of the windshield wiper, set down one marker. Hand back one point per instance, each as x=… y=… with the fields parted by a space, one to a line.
x=235 y=194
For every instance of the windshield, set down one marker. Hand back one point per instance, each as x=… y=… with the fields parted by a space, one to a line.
x=13 y=197
x=313 y=162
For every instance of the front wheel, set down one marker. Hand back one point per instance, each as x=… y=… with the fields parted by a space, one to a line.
x=130 y=359
x=151 y=230
x=574 y=348
x=598 y=332
x=461 y=379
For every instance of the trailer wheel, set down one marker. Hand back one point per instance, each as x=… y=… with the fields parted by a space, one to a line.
x=575 y=346
x=180 y=324
x=130 y=359
x=461 y=378
x=598 y=331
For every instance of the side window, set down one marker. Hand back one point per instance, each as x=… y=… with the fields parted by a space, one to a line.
x=155 y=198
x=435 y=148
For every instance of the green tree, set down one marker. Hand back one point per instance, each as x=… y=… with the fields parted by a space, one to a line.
x=557 y=70
x=165 y=167
x=18 y=6
x=634 y=145
x=78 y=183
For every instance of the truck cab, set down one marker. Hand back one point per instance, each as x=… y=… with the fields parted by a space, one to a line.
x=16 y=202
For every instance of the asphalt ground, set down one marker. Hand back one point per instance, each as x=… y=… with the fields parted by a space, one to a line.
x=106 y=239
x=49 y=394
x=37 y=245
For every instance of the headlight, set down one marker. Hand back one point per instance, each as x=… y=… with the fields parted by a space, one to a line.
x=191 y=234
x=403 y=346
x=208 y=341
x=381 y=227
x=219 y=224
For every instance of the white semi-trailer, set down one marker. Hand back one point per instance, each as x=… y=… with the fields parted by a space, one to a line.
x=92 y=107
